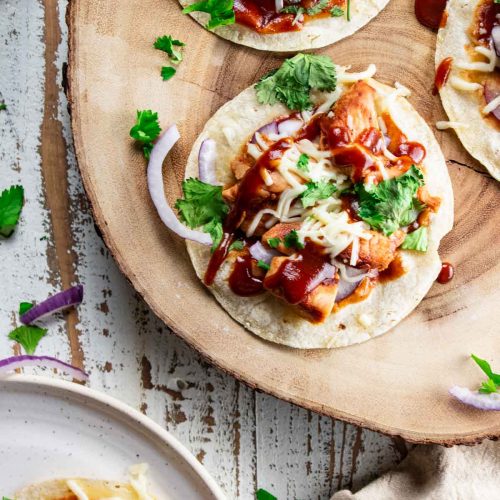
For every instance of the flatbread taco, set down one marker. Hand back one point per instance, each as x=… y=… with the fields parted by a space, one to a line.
x=468 y=77
x=319 y=208
x=283 y=25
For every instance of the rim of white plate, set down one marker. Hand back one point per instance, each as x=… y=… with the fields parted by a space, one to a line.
x=128 y=411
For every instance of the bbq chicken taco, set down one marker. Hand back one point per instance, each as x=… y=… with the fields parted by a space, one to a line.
x=284 y=25
x=468 y=77
x=324 y=222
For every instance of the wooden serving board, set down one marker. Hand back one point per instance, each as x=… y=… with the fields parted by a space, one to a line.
x=396 y=383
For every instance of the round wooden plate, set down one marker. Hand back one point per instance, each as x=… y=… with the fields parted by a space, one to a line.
x=397 y=383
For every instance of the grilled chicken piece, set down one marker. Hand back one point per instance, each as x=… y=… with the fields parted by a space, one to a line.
x=432 y=202
x=280 y=231
x=354 y=112
x=318 y=303
x=240 y=165
x=377 y=252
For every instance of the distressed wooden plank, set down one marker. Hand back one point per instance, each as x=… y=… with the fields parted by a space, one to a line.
x=244 y=438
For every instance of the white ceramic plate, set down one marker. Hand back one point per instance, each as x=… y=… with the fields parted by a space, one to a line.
x=52 y=429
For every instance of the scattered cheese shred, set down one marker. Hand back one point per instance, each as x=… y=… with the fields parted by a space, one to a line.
x=460 y=84
x=345 y=77
x=492 y=105
x=444 y=125
x=487 y=67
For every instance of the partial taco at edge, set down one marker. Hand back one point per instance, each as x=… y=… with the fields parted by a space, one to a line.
x=284 y=25
x=325 y=222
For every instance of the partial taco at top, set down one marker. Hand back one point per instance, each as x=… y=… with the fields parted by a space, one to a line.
x=468 y=77
x=325 y=221
x=283 y=25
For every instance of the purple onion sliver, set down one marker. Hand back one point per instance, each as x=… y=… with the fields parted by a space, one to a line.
x=328 y=272
x=344 y=289
x=495 y=37
x=268 y=128
x=206 y=162
x=289 y=127
x=10 y=364
x=476 y=399
x=58 y=302
x=259 y=252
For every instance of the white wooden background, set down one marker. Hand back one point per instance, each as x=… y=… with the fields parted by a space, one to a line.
x=245 y=439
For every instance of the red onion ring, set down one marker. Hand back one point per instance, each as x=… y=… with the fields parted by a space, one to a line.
x=344 y=289
x=495 y=38
x=157 y=191
x=289 y=127
x=491 y=91
x=476 y=399
x=328 y=272
x=206 y=162
x=10 y=364
x=259 y=252
x=268 y=128
x=58 y=302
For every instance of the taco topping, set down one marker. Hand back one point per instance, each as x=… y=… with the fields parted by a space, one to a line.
x=318 y=213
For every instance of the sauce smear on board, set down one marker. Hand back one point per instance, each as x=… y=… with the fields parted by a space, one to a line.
x=430 y=12
x=446 y=274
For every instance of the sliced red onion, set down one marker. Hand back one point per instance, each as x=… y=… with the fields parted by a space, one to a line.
x=58 y=302
x=328 y=272
x=157 y=191
x=476 y=399
x=289 y=127
x=259 y=252
x=344 y=289
x=10 y=364
x=492 y=91
x=278 y=5
x=268 y=128
x=495 y=38
x=206 y=162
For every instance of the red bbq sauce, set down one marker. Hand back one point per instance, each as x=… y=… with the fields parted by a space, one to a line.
x=446 y=274
x=485 y=19
x=296 y=278
x=442 y=74
x=242 y=280
x=430 y=12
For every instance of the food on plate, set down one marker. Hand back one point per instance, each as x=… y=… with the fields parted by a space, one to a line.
x=468 y=77
x=319 y=227
x=90 y=489
x=283 y=25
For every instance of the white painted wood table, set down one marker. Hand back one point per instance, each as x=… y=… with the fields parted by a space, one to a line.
x=245 y=439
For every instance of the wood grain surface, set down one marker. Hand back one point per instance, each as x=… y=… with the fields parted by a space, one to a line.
x=245 y=438
x=397 y=383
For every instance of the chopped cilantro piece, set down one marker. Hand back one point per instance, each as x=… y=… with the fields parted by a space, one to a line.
x=28 y=337
x=262 y=494
x=293 y=81
x=348 y=10
x=337 y=12
x=317 y=191
x=292 y=240
x=11 y=204
x=392 y=203
x=167 y=72
x=488 y=387
x=221 y=11
x=485 y=366
x=25 y=307
x=237 y=245
x=319 y=7
x=303 y=163
x=273 y=242
x=167 y=44
x=3 y=106
x=146 y=130
x=203 y=206
x=417 y=240
x=263 y=265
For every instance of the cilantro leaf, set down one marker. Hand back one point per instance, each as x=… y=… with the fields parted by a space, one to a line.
x=303 y=163
x=237 y=245
x=317 y=191
x=3 y=106
x=485 y=366
x=319 y=7
x=293 y=81
x=28 y=337
x=11 y=204
x=273 y=242
x=167 y=44
x=167 y=72
x=203 y=206
x=488 y=387
x=146 y=130
x=25 y=307
x=337 y=12
x=221 y=12
x=417 y=240
x=392 y=203
x=292 y=240
x=262 y=494
x=263 y=265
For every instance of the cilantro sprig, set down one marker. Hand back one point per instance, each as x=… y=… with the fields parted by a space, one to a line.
x=203 y=206
x=221 y=12
x=167 y=44
x=316 y=191
x=3 y=106
x=493 y=382
x=146 y=130
x=293 y=81
x=28 y=336
x=303 y=163
x=392 y=203
x=11 y=204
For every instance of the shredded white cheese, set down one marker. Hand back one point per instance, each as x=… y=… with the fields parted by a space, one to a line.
x=492 y=105
x=444 y=125
x=345 y=77
x=76 y=490
x=461 y=84
x=486 y=67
